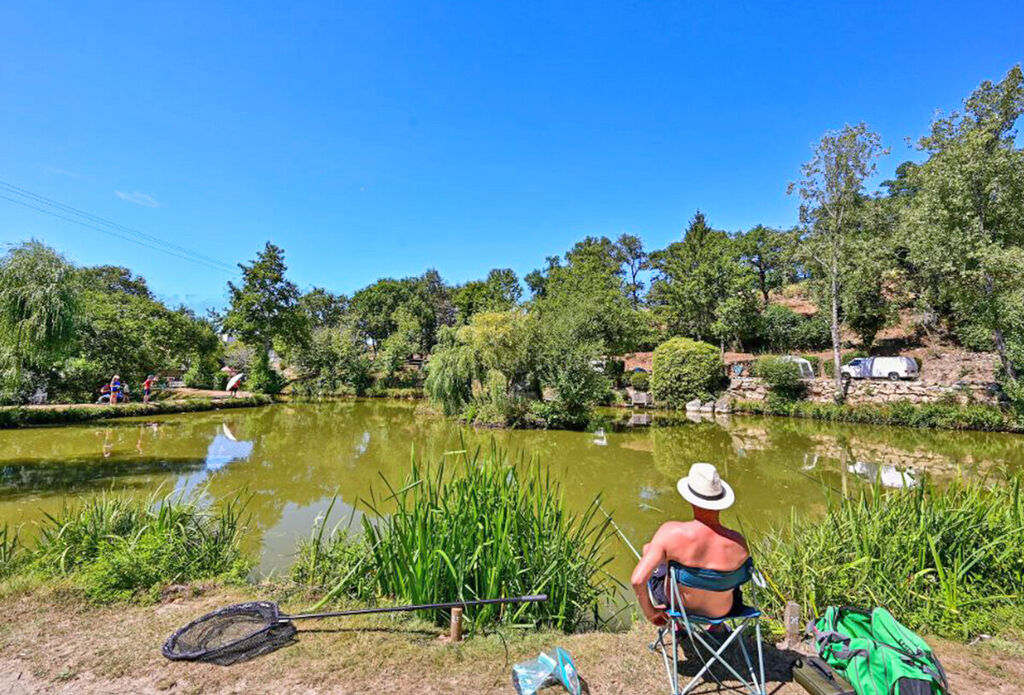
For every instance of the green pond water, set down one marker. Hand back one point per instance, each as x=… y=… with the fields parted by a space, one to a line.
x=293 y=457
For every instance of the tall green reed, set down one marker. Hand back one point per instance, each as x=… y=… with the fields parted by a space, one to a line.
x=10 y=550
x=481 y=527
x=117 y=547
x=946 y=560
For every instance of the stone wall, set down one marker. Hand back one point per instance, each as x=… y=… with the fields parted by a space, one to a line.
x=875 y=391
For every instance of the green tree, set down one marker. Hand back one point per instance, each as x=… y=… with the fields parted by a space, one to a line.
x=265 y=308
x=634 y=260
x=323 y=308
x=500 y=291
x=39 y=304
x=832 y=191
x=965 y=223
x=767 y=253
x=694 y=276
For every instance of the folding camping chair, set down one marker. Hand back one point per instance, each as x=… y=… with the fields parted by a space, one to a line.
x=698 y=627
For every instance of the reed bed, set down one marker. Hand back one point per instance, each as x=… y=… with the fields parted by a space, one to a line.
x=985 y=418
x=481 y=527
x=944 y=560
x=117 y=548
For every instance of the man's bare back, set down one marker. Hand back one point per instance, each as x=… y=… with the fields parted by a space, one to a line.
x=704 y=543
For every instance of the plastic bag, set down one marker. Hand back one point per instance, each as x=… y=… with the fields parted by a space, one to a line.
x=551 y=667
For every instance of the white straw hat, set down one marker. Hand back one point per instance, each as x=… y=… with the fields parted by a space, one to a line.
x=704 y=488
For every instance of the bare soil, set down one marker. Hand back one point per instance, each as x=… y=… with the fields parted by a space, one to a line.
x=57 y=644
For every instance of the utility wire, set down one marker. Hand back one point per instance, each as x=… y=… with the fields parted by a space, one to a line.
x=113 y=233
x=52 y=207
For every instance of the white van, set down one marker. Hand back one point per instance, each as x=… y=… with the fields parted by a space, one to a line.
x=891 y=368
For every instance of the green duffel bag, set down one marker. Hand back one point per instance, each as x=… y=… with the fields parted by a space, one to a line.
x=877 y=654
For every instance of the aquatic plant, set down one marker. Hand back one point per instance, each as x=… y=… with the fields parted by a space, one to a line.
x=945 y=560
x=116 y=547
x=901 y=413
x=483 y=527
x=10 y=550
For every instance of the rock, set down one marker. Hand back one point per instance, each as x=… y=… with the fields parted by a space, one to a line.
x=723 y=405
x=708 y=407
x=693 y=406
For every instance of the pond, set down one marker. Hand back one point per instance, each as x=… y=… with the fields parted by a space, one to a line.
x=292 y=458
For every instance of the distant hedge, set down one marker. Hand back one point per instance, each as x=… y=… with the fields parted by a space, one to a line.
x=641 y=381
x=685 y=369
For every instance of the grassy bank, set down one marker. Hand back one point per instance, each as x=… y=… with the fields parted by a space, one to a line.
x=477 y=527
x=946 y=561
x=115 y=549
x=900 y=413
x=20 y=416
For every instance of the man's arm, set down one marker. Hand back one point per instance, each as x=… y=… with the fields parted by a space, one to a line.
x=654 y=555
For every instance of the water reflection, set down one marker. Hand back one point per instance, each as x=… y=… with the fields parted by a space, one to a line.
x=292 y=458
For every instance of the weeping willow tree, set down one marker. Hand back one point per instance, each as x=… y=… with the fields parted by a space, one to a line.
x=450 y=373
x=38 y=307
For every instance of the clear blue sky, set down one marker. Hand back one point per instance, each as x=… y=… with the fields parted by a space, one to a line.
x=381 y=138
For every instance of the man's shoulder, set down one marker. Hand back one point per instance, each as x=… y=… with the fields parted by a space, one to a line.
x=678 y=528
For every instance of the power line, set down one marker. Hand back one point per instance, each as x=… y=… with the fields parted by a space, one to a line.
x=111 y=233
x=55 y=208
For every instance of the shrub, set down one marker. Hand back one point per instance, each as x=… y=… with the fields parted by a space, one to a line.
x=201 y=373
x=484 y=527
x=782 y=376
x=778 y=325
x=117 y=548
x=262 y=378
x=907 y=550
x=641 y=381
x=685 y=369
x=812 y=333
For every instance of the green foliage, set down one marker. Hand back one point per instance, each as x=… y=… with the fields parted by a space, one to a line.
x=262 y=378
x=965 y=223
x=685 y=369
x=450 y=374
x=782 y=376
x=695 y=275
x=943 y=560
x=769 y=253
x=641 y=381
x=334 y=362
x=116 y=548
x=499 y=292
x=779 y=325
x=11 y=551
x=812 y=333
x=948 y=416
x=201 y=372
x=480 y=528
x=265 y=308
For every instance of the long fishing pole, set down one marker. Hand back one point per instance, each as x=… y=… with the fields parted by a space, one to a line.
x=619 y=531
x=420 y=607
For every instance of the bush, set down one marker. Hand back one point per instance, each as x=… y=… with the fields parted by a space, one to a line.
x=201 y=373
x=484 y=527
x=778 y=325
x=641 y=381
x=116 y=548
x=782 y=376
x=907 y=550
x=685 y=369
x=262 y=378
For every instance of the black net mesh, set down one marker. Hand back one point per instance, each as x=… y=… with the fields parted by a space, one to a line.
x=231 y=634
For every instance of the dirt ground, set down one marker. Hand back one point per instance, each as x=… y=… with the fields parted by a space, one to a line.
x=54 y=644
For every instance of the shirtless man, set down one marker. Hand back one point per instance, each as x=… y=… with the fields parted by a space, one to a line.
x=702 y=543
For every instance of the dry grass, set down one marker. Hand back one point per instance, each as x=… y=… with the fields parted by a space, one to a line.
x=53 y=642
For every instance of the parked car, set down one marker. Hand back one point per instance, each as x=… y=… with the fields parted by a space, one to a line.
x=891 y=368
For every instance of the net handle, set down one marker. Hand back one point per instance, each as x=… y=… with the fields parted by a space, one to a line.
x=420 y=607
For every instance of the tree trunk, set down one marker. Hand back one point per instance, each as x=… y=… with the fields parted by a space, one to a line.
x=836 y=360
x=1000 y=342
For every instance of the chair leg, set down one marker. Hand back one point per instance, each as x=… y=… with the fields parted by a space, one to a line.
x=717 y=655
x=760 y=654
